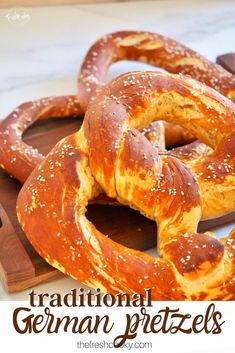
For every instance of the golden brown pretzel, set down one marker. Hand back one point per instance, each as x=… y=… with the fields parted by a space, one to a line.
x=151 y=48
x=119 y=160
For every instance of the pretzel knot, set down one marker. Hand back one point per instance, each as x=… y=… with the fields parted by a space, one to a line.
x=110 y=155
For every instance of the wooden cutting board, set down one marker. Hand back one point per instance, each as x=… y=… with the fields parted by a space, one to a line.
x=20 y=266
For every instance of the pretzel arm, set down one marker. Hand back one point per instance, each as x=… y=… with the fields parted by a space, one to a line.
x=151 y=48
x=16 y=157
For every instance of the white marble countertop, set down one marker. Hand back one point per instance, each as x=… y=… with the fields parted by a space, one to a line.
x=41 y=53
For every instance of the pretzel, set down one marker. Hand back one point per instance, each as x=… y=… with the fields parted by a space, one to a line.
x=121 y=162
x=142 y=46
x=151 y=48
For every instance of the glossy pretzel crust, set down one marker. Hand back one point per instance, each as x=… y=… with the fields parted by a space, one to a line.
x=151 y=48
x=110 y=155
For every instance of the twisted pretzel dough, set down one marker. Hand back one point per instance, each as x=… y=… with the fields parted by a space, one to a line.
x=18 y=159
x=119 y=160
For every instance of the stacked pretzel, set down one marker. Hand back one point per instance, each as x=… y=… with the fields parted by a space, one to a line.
x=175 y=190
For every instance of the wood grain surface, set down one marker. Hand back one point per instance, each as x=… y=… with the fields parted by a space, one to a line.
x=20 y=266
